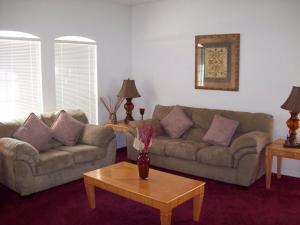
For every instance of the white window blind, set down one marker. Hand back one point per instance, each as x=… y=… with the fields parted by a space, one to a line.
x=20 y=76
x=76 y=76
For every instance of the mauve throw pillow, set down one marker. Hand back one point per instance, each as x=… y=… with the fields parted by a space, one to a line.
x=66 y=129
x=176 y=122
x=34 y=132
x=221 y=131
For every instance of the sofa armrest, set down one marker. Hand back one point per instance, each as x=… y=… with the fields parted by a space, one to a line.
x=19 y=150
x=97 y=135
x=255 y=140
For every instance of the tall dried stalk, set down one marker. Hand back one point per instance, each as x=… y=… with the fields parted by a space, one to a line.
x=109 y=105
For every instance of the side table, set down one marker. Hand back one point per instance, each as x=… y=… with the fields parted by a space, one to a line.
x=276 y=149
x=119 y=127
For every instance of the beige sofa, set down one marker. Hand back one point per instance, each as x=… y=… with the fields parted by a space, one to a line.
x=26 y=170
x=241 y=163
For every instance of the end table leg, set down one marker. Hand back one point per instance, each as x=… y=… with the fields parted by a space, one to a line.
x=165 y=217
x=279 y=166
x=197 y=205
x=90 y=192
x=268 y=166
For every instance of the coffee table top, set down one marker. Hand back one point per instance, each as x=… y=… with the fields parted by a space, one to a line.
x=160 y=186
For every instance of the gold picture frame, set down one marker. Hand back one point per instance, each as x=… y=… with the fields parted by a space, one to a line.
x=217 y=59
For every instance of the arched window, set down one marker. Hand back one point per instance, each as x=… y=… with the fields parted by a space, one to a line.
x=76 y=75
x=20 y=75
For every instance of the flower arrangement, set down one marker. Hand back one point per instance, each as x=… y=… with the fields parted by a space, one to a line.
x=142 y=142
x=112 y=107
x=143 y=139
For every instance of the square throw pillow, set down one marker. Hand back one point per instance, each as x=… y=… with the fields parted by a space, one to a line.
x=34 y=132
x=220 y=131
x=66 y=129
x=176 y=122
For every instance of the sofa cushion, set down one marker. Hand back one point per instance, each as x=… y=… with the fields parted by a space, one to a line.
x=221 y=131
x=50 y=117
x=84 y=153
x=7 y=129
x=34 y=132
x=54 y=160
x=183 y=149
x=215 y=156
x=195 y=134
x=96 y=135
x=159 y=145
x=66 y=129
x=176 y=122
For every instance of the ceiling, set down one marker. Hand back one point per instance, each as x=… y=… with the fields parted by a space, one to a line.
x=134 y=2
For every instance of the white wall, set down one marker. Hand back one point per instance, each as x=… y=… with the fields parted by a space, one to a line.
x=163 y=55
x=105 y=22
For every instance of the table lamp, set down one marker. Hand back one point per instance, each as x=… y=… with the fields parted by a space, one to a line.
x=128 y=91
x=292 y=104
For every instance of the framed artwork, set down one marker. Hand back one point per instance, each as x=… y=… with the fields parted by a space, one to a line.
x=217 y=59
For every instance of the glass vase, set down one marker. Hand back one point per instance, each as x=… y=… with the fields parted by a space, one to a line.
x=143 y=163
x=113 y=118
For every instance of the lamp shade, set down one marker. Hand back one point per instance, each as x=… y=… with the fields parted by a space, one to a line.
x=128 y=90
x=293 y=102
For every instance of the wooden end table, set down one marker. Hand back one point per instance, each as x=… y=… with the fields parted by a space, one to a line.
x=119 y=127
x=276 y=149
x=161 y=190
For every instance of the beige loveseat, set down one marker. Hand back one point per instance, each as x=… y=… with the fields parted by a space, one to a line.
x=241 y=163
x=26 y=170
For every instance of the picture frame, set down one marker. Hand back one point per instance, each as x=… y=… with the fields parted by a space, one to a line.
x=217 y=59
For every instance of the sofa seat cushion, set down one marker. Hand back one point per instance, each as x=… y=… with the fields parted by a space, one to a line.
x=159 y=145
x=183 y=149
x=84 y=153
x=215 y=156
x=54 y=160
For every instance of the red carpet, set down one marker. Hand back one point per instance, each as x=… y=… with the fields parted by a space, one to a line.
x=224 y=204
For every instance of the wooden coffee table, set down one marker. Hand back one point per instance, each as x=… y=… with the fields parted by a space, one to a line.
x=161 y=190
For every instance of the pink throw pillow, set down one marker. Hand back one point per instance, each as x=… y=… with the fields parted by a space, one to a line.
x=176 y=122
x=66 y=129
x=221 y=131
x=34 y=132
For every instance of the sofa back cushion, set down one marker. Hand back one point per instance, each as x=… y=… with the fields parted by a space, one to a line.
x=8 y=128
x=50 y=117
x=203 y=117
x=161 y=111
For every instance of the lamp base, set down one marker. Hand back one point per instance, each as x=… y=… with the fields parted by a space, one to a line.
x=128 y=106
x=287 y=144
x=293 y=125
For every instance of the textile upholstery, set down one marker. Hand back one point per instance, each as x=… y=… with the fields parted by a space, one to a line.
x=66 y=129
x=176 y=122
x=241 y=163
x=26 y=170
x=34 y=132
x=221 y=131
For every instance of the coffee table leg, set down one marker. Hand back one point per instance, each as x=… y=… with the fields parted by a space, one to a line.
x=90 y=192
x=165 y=217
x=197 y=205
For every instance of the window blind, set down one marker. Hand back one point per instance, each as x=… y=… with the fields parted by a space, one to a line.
x=20 y=77
x=76 y=77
